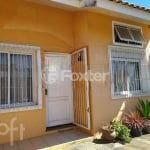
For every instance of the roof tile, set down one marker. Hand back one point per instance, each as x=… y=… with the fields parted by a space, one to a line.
x=132 y=5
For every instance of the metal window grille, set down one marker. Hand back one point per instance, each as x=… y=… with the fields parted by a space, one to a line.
x=15 y=80
x=129 y=71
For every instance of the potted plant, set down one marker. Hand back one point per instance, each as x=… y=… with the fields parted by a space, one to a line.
x=134 y=122
x=144 y=109
x=122 y=132
x=108 y=133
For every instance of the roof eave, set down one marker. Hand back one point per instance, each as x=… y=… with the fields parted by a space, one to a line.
x=72 y=3
x=109 y=7
x=124 y=11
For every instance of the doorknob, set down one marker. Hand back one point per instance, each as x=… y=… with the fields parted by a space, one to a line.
x=46 y=91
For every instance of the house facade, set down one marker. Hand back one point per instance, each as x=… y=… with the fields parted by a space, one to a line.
x=107 y=37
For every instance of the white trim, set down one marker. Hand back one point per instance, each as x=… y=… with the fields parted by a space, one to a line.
x=74 y=3
x=87 y=89
x=126 y=24
x=118 y=97
x=36 y=53
x=127 y=49
x=39 y=77
x=18 y=46
x=27 y=108
x=80 y=50
x=56 y=54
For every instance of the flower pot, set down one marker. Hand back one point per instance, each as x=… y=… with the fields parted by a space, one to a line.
x=146 y=128
x=136 y=132
x=108 y=134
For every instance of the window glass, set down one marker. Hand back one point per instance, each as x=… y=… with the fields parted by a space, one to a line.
x=118 y=68
x=133 y=76
x=3 y=78
x=126 y=76
x=128 y=35
x=20 y=78
x=137 y=35
x=123 y=33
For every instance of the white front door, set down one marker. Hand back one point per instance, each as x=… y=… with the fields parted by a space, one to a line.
x=59 y=101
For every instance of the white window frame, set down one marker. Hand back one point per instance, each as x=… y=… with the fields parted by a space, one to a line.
x=126 y=61
x=131 y=50
x=127 y=25
x=36 y=71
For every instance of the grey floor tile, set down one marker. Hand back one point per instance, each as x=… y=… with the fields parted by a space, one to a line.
x=1 y=147
x=46 y=140
x=25 y=145
x=38 y=143
x=51 y=140
x=9 y=147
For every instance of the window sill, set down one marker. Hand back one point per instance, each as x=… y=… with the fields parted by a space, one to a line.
x=130 y=96
x=26 y=108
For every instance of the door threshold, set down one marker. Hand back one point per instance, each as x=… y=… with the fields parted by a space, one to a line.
x=61 y=127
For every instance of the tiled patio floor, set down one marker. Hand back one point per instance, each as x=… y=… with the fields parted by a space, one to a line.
x=46 y=140
x=75 y=140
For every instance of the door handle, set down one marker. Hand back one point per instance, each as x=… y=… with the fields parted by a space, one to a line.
x=46 y=91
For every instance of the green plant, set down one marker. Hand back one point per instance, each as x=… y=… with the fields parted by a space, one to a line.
x=122 y=132
x=144 y=108
x=135 y=122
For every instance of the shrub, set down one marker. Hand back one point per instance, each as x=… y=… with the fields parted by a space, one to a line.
x=133 y=120
x=144 y=108
x=122 y=132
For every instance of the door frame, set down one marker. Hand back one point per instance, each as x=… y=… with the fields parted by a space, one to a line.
x=57 y=54
x=87 y=90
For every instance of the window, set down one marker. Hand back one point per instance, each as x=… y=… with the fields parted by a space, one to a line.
x=18 y=81
x=129 y=72
x=129 y=35
x=126 y=76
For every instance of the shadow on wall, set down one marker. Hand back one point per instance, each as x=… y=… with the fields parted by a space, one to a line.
x=88 y=3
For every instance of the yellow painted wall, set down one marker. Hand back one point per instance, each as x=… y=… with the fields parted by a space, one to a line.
x=100 y=37
x=30 y=23
x=80 y=28
x=40 y=25
x=95 y=31
x=57 y=30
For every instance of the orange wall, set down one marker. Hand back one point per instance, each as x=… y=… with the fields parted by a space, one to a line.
x=100 y=37
x=80 y=28
x=95 y=31
x=33 y=24
x=57 y=30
